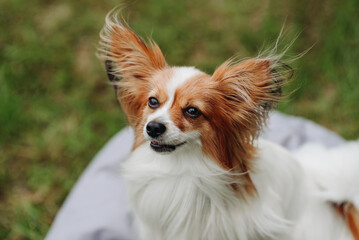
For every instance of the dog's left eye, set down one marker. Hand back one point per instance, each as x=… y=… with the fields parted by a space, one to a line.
x=192 y=112
x=153 y=102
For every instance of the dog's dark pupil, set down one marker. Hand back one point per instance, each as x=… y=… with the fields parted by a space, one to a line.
x=193 y=112
x=153 y=102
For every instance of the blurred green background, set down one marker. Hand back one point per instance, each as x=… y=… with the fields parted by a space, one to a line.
x=57 y=110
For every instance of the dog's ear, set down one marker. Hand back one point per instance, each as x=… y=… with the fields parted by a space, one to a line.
x=251 y=88
x=130 y=63
x=243 y=93
x=131 y=56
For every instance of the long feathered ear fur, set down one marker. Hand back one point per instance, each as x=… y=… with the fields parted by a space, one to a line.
x=245 y=92
x=251 y=89
x=130 y=63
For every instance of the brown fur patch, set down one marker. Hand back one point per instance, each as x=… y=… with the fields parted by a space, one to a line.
x=351 y=216
x=193 y=93
x=136 y=63
x=159 y=85
x=243 y=89
x=242 y=99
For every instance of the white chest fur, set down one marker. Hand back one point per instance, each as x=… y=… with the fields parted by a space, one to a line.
x=185 y=195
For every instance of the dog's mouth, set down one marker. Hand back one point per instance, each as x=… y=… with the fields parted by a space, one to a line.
x=163 y=147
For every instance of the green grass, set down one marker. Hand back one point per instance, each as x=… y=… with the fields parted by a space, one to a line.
x=57 y=110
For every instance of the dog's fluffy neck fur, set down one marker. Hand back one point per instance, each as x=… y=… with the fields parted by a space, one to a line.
x=186 y=195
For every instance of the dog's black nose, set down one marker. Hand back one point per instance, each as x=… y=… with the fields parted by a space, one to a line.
x=155 y=129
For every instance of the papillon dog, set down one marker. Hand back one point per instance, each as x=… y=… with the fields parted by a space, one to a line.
x=197 y=168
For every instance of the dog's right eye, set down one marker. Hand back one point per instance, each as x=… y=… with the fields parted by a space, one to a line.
x=192 y=112
x=153 y=102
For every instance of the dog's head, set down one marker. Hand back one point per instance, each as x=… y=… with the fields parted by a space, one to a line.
x=173 y=107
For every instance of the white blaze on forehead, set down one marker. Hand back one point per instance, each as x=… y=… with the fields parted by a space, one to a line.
x=179 y=77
